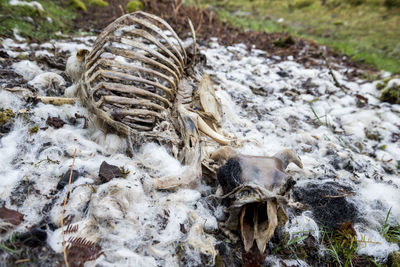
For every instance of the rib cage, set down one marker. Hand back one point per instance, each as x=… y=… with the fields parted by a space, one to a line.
x=131 y=76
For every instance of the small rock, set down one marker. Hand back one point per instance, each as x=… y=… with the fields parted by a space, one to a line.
x=34 y=238
x=65 y=179
x=55 y=122
x=183 y=228
x=108 y=172
x=283 y=74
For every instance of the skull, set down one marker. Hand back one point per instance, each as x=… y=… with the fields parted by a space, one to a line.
x=254 y=190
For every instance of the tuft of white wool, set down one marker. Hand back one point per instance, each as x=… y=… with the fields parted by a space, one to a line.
x=124 y=257
x=199 y=240
x=113 y=200
x=74 y=68
x=70 y=47
x=18 y=37
x=302 y=225
x=274 y=261
x=43 y=53
x=34 y=4
x=87 y=229
x=393 y=82
x=71 y=91
x=47 y=80
x=77 y=201
x=157 y=158
x=372 y=243
x=111 y=143
x=27 y=69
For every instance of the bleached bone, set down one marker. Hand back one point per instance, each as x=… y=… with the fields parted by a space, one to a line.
x=57 y=101
x=131 y=76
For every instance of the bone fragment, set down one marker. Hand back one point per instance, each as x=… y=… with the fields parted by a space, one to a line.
x=58 y=101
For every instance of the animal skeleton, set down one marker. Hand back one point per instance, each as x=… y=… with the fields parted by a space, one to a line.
x=139 y=80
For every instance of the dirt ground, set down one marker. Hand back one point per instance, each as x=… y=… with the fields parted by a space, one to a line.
x=207 y=25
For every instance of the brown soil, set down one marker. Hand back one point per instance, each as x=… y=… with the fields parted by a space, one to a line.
x=207 y=25
x=96 y=18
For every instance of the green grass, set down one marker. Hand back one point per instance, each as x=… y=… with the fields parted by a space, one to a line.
x=391 y=233
x=35 y=24
x=366 y=30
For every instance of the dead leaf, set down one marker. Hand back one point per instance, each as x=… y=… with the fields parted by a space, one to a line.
x=11 y=216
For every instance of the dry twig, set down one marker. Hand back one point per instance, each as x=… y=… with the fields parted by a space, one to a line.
x=339 y=196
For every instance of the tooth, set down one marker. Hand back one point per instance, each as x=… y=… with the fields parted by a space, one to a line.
x=203 y=126
x=266 y=234
x=246 y=229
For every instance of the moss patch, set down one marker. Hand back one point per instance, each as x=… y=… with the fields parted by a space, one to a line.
x=97 y=2
x=34 y=24
x=37 y=25
x=6 y=116
x=34 y=129
x=6 y=120
x=372 y=134
x=302 y=3
x=286 y=42
x=78 y=4
x=81 y=5
x=391 y=94
x=132 y=6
